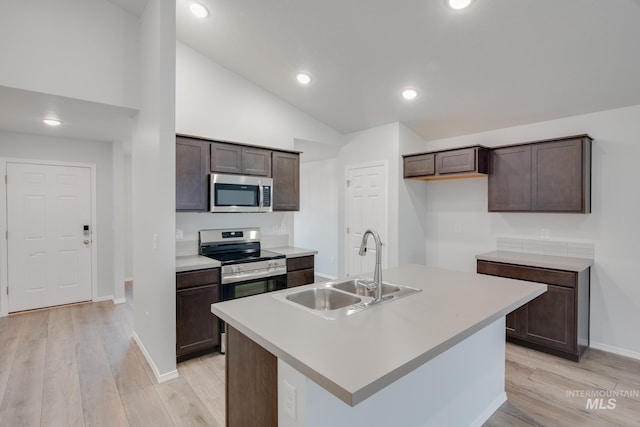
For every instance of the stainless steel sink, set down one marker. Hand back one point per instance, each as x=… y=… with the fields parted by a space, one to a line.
x=358 y=287
x=323 y=299
x=340 y=298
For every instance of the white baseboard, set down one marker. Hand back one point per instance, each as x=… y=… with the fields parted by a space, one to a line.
x=161 y=378
x=325 y=276
x=616 y=350
x=490 y=410
x=117 y=301
x=104 y=298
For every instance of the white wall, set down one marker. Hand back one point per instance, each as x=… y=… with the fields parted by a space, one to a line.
x=612 y=226
x=83 y=49
x=412 y=207
x=153 y=196
x=316 y=225
x=25 y=146
x=372 y=145
x=215 y=103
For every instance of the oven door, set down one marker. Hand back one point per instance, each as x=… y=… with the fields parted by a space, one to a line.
x=253 y=287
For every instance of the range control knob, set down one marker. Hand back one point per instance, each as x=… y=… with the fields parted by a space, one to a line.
x=235 y=269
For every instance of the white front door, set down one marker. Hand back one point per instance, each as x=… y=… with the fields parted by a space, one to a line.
x=48 y=252
x=366 y=208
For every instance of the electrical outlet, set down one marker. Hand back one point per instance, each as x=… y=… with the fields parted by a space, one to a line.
x=289 y=400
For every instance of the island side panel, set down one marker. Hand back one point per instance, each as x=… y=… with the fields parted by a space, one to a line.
x=251 y=383
x=461 y=387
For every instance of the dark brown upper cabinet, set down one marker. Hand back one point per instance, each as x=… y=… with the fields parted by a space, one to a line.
x=510 y=179
x=192 y=164
x=286 y=181
x=226 y=158
x=466 y=162
x=238 y=159
x=256 y=161
x=545 y=176
x=419 y=166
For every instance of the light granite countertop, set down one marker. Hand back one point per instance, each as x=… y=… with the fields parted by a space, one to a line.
x=356 y=356
x=195 y=262
x=292 y=252
x=536 y=260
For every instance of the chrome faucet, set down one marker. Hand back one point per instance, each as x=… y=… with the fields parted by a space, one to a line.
x=377 y=274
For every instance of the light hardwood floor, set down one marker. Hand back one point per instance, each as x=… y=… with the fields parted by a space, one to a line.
x=78 y=366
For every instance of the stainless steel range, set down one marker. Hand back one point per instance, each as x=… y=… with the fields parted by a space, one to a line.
x=247 y=269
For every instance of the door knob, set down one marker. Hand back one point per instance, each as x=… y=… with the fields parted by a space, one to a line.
x=86 y=242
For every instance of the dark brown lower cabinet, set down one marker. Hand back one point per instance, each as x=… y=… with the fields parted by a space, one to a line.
x=300 y=271
x=556 y=322
x=197 y=329
x=251 y=382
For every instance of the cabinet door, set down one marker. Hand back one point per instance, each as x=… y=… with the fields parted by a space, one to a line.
x=226 y=158
x=456 y=161
x=286 y=181
x=512 y=324
x=191 y=174
x=420 y=165
x=510 y=179
x=550 y=319
x=256 y=161
x=196 y=327
x=557 y=176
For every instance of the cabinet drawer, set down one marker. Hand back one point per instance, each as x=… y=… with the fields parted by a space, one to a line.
x=190 y=279
x=421 y=165
x=299 y=278
x=532 y=274
x=300 y=263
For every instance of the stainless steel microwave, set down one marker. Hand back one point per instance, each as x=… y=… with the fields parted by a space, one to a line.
x=240 y=193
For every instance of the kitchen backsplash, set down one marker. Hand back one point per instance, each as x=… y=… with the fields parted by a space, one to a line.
x=547 y=247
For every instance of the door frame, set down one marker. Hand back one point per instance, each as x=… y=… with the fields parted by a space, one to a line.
x=4 y=246
x=385 y=243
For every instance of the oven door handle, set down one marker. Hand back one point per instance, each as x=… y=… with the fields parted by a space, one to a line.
x=243 y=277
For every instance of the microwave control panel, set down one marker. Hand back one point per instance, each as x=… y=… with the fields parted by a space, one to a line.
x=266 y=195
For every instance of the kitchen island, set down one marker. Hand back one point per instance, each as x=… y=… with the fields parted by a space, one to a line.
x=432 y=358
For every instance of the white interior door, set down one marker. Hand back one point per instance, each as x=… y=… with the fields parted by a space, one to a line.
x=48 y=252
x=366 y=208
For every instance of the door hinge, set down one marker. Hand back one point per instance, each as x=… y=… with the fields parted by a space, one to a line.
x=7 y=290
x=6 y=235
x=348 y=230
x=348 y=183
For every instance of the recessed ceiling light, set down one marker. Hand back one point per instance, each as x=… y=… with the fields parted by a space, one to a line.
x=303 y=78
x=52 y=122
x=409 y=94
x=458 y=4
x=199 y=10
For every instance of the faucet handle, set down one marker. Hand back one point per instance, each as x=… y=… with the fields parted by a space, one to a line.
x=369 y=284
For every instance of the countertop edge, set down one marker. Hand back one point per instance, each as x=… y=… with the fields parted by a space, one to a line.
x=537 y=260
x=292 y=251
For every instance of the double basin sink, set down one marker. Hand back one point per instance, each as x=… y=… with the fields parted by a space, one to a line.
x=335 y=299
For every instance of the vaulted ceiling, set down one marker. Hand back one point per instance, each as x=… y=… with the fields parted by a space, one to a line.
x=495 y=64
